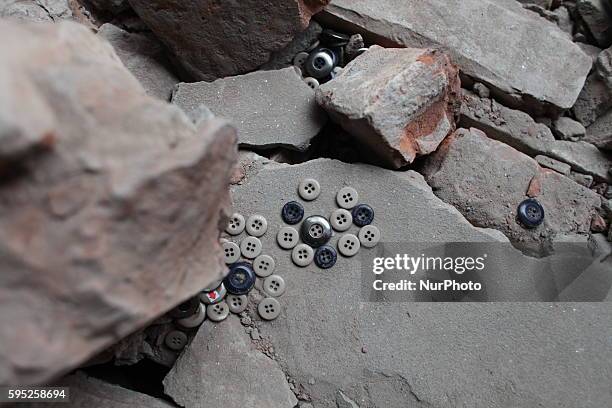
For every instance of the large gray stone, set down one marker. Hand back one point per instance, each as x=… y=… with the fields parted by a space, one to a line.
x=600 y=132
x=595 y=14
x=397 y=103
x=36 y=10
x=568 y=129
x=222 y=368
x=583 y=157
x=269 y=108
x=113 y=218
x=594 y=100
x=539 y=62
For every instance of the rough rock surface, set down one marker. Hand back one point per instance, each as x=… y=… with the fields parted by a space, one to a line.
x=302 y=41
x=269 y=108
x=398 y=103
x=89 y=215
x=222 y=368
x=594 y=99
x=539 y=62
x=553 y=164
x=568 y=129
x=583 y=157
x=596 y=16
x=36 y=10
x=222 y=38
x=600 y=132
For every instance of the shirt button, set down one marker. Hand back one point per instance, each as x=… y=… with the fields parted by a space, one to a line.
x=302 y=255
x=240 y=278
x=269 y=309
x=530 y=213
x=250 y=247
x=264 y=265
x=176 y=340
x=185 y=309
x=312 y=82
x=348 y=245
x=256 y=225
x=217 y=312
x=236 y=224
x=292 y=212
x=315 y=231
x=309 y=189
x=274 y=285
x=325 y=257
x=320 y=63
x=369 y=236
x=347 y=197
x=214 y=296
x=341 y=220
x=237 y=303
x=287 y=237
x=300 y=59
x=231 y=252
x=363 y=215
x=195 y=320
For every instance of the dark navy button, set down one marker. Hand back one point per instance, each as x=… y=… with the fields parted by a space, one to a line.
x=316 y=231
x=240 y=279
x=363 y=215
x=325 y=257
x=530 y=213
x=186 y=309
x=293 y=212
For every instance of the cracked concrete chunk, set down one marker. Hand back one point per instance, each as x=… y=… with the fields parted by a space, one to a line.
x=583 y=157
x=539 y=61
x=553 y=164
x=269 y=108
x=397 y=103
x=568 y=129
x=600 y=132
x=90 y=248
x=595 y=14
x=222 y=368
x=594 y=99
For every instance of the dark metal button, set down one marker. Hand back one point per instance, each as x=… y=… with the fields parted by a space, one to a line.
x=325 y=257
x=316 y=231
x=530 y=213
x=186 y=309
x=293 y=212
x=320 y=63
x=240 y=279
x=363 y=215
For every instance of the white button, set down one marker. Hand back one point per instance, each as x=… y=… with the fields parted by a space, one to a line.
x=269 y=309
x=237 y=303
x=302 y=255
x=369 y=236
x=176 y=340
x=309 y=189
x=336 y=71
x=256 y=225
x=217 y=312
x=348 y=245
x=312 y=82
x=300 y=59
x=274 y=285
x=347 y=197
x=341 y=219
x=287 y=237
x=264 y=265
x=195 y=320
x=235 y=225
x=214 y=296
x=231 y=252
x=250 y=247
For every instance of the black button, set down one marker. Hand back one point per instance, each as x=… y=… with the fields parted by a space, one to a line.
x=325 y=257
x=333 y=38
x=315 y=231
x=320 y=63
x=293 y=212
x=240 y=279
x=530 y=213
x=363 y=215
x=186 y=309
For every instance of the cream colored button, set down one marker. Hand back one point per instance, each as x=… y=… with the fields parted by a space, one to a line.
x=231 y=252
x=312 y=82
x=237 y=303
x=347 y=197
x=269 y=309
x=218 y=311
x=194 y=320
x=302 y=255
x=236 y=224
x=309 y=189
x=348 y=245
x=369 y=236
x=300 y=59
x=256 y=225
x=341 y=219
x=264 y=265
x=287 y=237
x=274 y=285
x=176 y=340
x=250 y=247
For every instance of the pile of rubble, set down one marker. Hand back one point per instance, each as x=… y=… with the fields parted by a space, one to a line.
x=134 y=134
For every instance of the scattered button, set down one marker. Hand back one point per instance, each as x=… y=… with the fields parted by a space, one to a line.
x=236 y=224
x=361 y=51
x=315 y=231
x=250 y=247
x=269 y=309
x=341 y=220
x=530 y=213
x=300 y=59
x=325 y=257
x=256 y=225
x=185 y=309
x=240 y=279
x=347 y=197
x=218 y=312
x=274 y=285
x=195 y=320
x=312 y=82
x=213 y=286
x=287 y=237
x=320 y=63
x=264 y=265
x=292 y=212
x=309 y=189
x=176 y=340
x=231 y=252
x=237 y=303
x=214 y=296
x=363 y=215
x=369 y=236
x=348 y=245
x=336 y=71
x=302 y=255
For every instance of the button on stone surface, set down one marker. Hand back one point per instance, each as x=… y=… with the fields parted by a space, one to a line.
x=363 y=215
x=309 y=189
x=256 y=225
x=176 y=340
x=302 y=255
x=194 y=320
x=530 y=213
x=369 y=236
x=348 y=245
x=292 y=212
x=325 y=257
x=218 y=311
x=215 y=296
x=269 y=309
x=264 y=265
x=274 y=285
x=231 y=252
x=250 y=247
x=185 y=309
x=240 y=278
x=316 y=231
x=341 y=219
x=235 y=224
x=347 y=197
x=237 y=303
x=287 y=237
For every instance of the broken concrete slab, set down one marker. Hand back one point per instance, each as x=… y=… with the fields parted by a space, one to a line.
x=553 y=164
x=239 y=36
x=269 y=108
x=146 y=59
x=115 y=220
x=583 y=157
x=600 y=132
x=595 y=15
x=594 y=99
x=397 y=103
x=566 y=128
x=540 y=63
x=221 y=367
